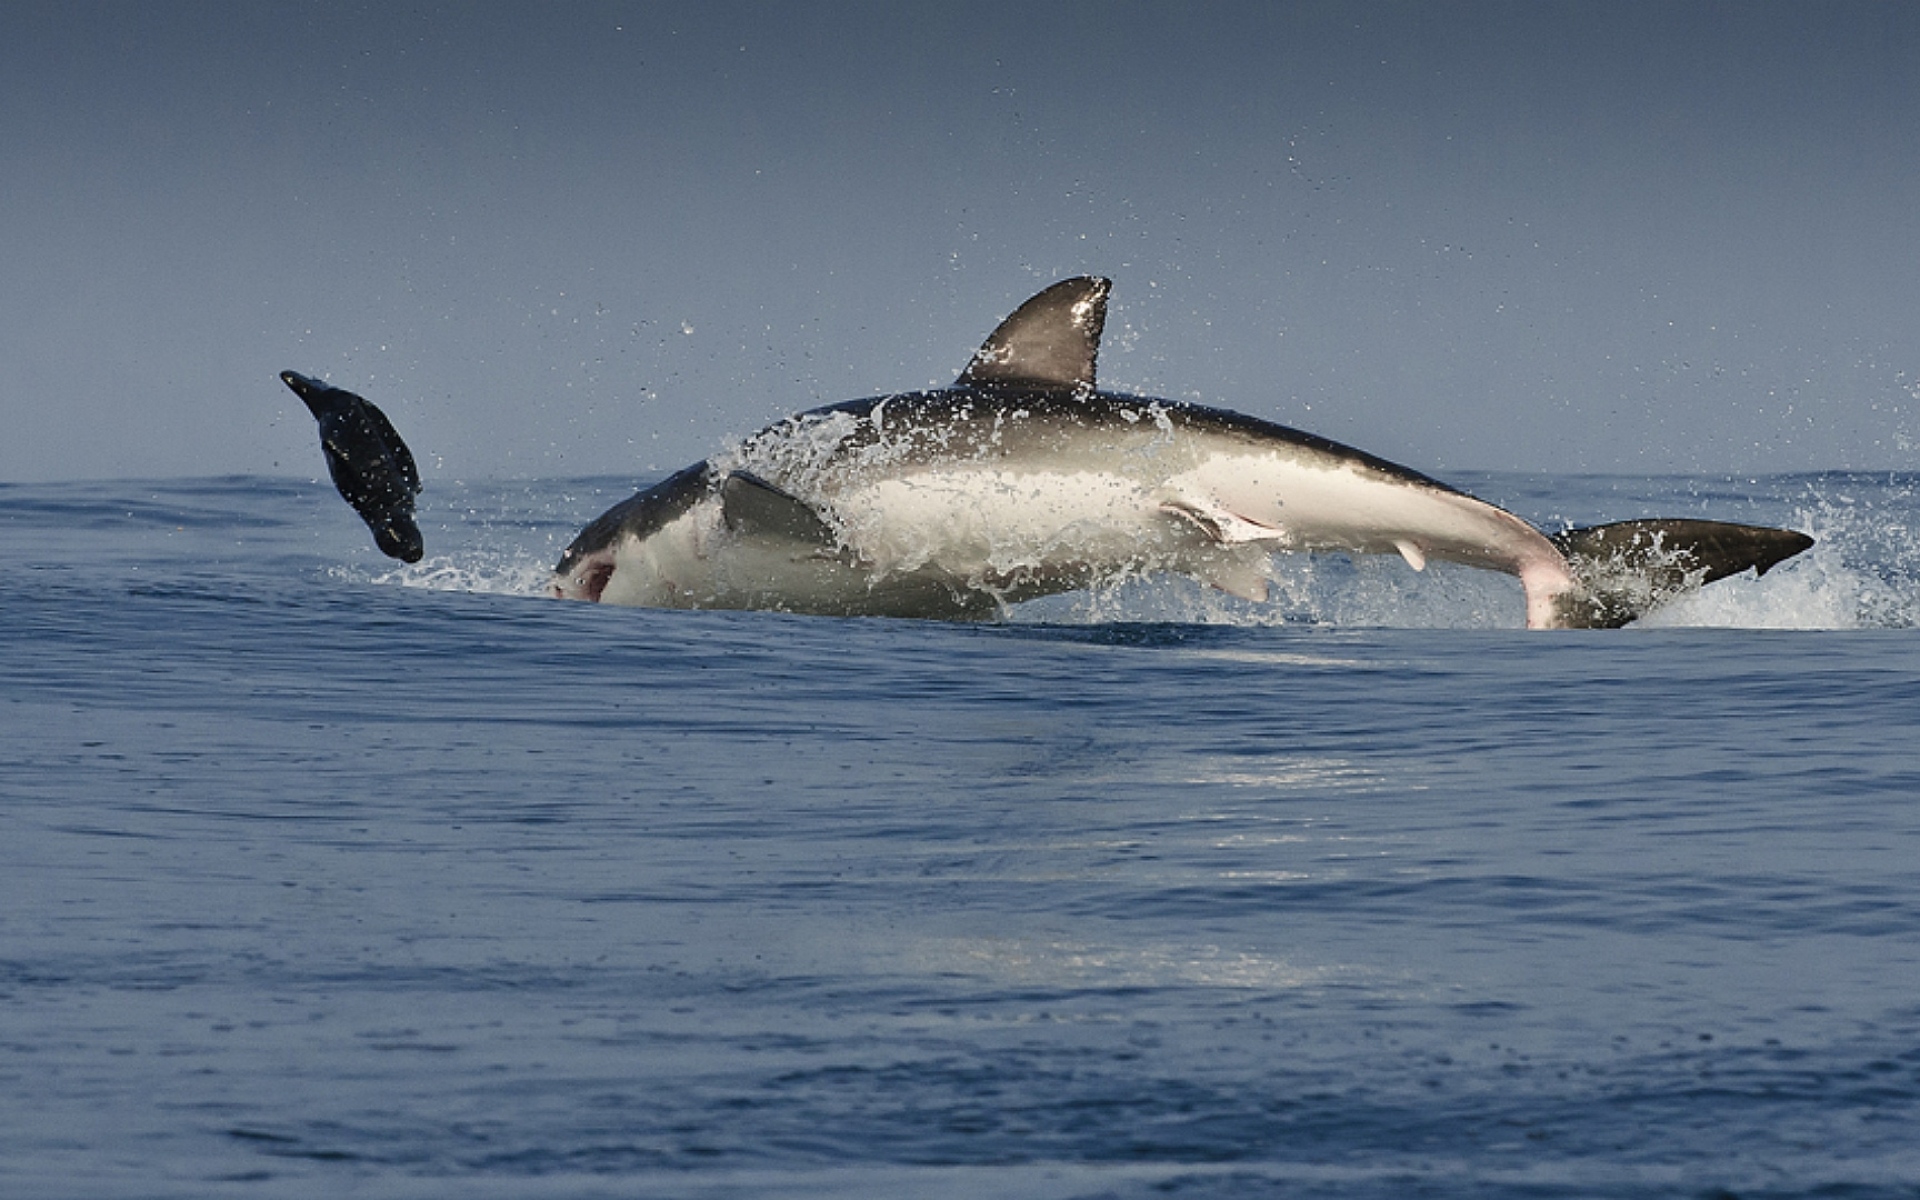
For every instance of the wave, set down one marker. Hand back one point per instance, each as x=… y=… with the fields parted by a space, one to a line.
x=1862 y=573
x=503 y=537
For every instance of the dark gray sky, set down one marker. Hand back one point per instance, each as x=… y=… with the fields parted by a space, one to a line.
x=585 y=238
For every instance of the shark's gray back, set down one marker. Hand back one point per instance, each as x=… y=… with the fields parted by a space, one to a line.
x=964 y=422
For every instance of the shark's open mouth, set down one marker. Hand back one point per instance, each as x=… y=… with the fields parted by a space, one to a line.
x=587 y=580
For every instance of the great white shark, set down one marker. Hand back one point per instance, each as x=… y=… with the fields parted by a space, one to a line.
x=1024 y=479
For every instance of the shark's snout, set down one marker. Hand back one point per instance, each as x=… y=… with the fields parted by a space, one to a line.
x=584 y=579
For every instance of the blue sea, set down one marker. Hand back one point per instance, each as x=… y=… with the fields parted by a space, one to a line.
x=322 y=876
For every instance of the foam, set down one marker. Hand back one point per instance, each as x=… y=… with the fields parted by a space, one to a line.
x=476 y=573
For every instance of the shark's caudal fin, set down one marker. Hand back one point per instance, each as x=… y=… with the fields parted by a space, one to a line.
x=1626 y=569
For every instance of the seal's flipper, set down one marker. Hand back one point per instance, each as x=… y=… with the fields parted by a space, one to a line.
x=1049 y=343
x=398 y=537
x=1628 y=568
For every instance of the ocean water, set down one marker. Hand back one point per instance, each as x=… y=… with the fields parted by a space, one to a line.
x=325 y=877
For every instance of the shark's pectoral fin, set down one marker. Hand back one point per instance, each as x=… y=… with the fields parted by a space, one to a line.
x=753 y=507
x=1221 y=524
x=1240 y=561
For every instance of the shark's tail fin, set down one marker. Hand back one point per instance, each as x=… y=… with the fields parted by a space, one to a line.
x=1626 y=569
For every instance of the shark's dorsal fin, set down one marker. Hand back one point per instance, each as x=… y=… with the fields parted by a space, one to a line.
x=751 y=505
x=1049 y=342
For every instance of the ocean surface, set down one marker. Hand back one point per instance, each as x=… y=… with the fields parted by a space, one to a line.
x=322 y=876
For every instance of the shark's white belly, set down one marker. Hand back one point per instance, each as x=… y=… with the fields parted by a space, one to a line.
x=980 y=521
x=958 y=537
x=954 y=542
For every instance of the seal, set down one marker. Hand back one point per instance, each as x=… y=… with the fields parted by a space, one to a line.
x=370 y=465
